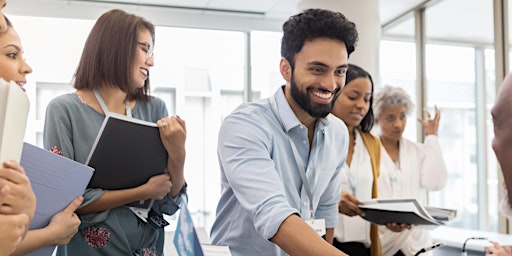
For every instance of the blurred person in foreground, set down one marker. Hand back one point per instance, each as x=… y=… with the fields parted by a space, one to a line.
x=502 y=121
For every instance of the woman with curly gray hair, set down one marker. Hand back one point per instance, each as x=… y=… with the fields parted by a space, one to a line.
x=407 y=169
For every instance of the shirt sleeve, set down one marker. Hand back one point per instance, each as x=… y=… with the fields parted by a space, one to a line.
x=57 y=135
x=328 y=203
x=244 y=150
x=58 y=138
x=434 y=173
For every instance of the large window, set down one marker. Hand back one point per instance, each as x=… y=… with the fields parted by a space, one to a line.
x=265 y=56
x=459 y=65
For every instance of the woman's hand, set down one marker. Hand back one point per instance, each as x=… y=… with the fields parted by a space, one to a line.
x=173 y=133
x=64 y=224
x=430 y=125
x=348 y=205
x=157 y=187
x=398 y=227
x=21 y=198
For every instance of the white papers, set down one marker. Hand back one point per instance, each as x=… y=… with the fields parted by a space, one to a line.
x=215 y=250
x=407 y=211
x=56 y=182
x=441 y=214
x=14 y=107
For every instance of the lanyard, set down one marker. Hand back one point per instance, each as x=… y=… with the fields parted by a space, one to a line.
x=104 y=107
x=298 y=160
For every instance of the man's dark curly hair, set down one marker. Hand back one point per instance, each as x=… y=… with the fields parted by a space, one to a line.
x=314 y=23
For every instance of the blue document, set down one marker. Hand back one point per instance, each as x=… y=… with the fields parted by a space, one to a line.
x=56 y=182
x=185 y=237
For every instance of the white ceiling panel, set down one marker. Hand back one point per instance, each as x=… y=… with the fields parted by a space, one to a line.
x=453 y=20
x=245 y=5
x=179 y=3
x=389 y=9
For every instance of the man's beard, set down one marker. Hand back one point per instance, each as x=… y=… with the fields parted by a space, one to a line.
x=313 y=109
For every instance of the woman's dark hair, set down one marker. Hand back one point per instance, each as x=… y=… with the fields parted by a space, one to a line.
x=316 y=23
x=109 y=53
x=354 y=72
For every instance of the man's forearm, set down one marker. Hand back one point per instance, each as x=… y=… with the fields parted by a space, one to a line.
x=296 y=237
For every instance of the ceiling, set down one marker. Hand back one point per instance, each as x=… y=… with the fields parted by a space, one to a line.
x=256 y=9
x=278 y=9
x=448 y=20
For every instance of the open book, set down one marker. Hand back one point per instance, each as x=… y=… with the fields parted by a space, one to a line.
x=408 y=211
x=126 y=154
x=14 y=107
x=56 y=182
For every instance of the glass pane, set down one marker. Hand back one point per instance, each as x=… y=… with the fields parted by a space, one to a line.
x=458 y=73
x=200 y=65
x=168 y=95
x=492 y=165
x=399 y=70
x=451 y=86
x=45 y=92
x=265 y=57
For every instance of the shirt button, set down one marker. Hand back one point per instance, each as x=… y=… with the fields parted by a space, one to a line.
x=304 y=141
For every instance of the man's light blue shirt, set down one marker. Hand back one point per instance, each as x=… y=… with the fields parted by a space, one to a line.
x=261 y=183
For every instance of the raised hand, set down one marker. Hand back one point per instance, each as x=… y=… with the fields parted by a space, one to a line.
x=430 y=125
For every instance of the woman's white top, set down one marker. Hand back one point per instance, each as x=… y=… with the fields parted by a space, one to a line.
x=357 y=179
x=420 y=168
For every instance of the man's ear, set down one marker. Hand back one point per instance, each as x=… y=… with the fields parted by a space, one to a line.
x=286 y=69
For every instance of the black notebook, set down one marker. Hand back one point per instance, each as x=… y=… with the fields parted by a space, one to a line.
x=126 y=153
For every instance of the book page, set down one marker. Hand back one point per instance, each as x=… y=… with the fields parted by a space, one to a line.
x=14 y=108
x=382 y=211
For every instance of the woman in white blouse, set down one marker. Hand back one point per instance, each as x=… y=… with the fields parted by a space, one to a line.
x=408 y=169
